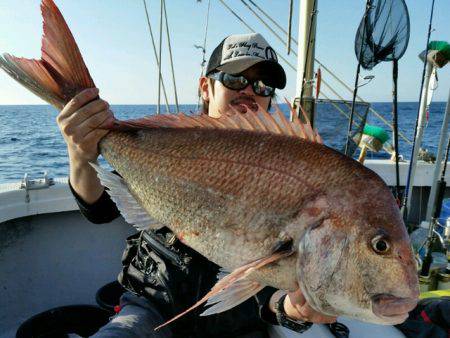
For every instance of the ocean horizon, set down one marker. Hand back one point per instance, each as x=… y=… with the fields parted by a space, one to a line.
x=195 y=104
x=30 y=141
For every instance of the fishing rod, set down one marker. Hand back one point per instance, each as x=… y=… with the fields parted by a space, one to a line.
x=395 y=125
x=358 y=70
x=428 y=260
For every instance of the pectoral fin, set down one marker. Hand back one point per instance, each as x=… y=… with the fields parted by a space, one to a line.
x=233 y=289
x=130 y=209
x=232 y=296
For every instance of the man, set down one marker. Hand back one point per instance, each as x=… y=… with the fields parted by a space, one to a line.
x=242 y=73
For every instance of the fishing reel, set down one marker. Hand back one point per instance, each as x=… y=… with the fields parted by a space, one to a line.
x=432 y=255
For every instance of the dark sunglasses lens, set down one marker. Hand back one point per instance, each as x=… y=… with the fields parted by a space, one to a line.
x=262 y=89
x=234 y=82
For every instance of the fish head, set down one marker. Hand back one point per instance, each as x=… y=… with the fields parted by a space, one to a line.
x=358 y=261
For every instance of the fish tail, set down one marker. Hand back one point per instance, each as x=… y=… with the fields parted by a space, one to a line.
x=61 y=73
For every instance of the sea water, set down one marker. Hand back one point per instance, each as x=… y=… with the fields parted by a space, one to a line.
x=30 y=141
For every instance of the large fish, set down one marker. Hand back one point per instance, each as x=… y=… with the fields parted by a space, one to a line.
x=254 y=193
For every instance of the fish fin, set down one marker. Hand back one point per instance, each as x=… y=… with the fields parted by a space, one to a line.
x=130 y=209
x=33 y=75
x=230 y=279
x=235 y=294
x=60 y=74
x=259 y=121
x=222 y=273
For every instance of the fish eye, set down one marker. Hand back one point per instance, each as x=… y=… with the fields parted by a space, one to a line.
x=380 y=244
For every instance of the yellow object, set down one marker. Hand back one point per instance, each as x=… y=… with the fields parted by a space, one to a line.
x=436 y=293
x=362 y=154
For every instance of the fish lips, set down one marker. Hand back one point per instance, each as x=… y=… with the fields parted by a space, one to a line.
x=393 y=309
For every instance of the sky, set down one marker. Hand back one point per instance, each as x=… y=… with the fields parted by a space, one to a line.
x=114 y=40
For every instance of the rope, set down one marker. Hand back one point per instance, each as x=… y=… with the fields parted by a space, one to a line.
x=171 y=59
x=252 y=30
x=263 y=22
x=237 y=16
x=335 y=105
x=204 y=39
x=355 y=88
x=204 y=51
x=315 y=59
x=272 y=20
x=352 y=111
x=289 y=35
x=336 y=93
x=154 y=51
x=159 y=53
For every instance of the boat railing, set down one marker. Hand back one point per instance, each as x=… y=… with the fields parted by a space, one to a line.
x=35 y=196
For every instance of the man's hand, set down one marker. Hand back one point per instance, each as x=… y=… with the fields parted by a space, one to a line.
x=80 y=123
x=296 y=307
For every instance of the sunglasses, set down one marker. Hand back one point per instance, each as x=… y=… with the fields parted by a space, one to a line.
x=238 y=82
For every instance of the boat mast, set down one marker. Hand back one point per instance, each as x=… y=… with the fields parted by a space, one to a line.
x=420 y=131
x=305 y=58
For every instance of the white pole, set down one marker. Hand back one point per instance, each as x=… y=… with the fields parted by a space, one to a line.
x=420 y=129
x=439 y=163
x=303 y=56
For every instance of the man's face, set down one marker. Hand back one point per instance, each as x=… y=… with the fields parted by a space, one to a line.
x=221 y=98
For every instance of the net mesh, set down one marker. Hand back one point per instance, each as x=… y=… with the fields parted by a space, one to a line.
x=383 y=33
x=331 y=119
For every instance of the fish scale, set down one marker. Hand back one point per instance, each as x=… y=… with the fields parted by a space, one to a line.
x=243 y=192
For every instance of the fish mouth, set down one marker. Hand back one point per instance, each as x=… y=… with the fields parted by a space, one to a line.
x=392 y=308
x=242 y=104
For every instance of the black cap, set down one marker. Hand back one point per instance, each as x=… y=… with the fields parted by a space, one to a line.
x=237 y=53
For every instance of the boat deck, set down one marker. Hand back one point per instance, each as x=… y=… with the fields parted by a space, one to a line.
x=53 y=260
x=60 y=259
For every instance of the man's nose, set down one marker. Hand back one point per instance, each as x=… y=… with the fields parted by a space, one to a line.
x=248 y=90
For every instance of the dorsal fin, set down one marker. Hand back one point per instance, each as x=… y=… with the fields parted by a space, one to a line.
x=259 y=121
x=60 y=74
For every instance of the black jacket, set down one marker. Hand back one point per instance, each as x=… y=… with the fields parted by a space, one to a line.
x=173 y=276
